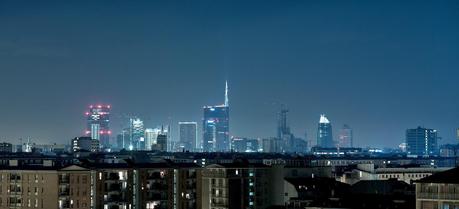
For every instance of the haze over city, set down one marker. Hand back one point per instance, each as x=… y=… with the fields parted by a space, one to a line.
x=381 y=67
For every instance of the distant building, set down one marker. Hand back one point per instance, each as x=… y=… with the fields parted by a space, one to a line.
x=161 y=143
x=98 y=120
x=85 y=144
x=298 y=145
x=244 y=145
x=449 y=150
x=216 y=127
x=6 y=147
x=151 y=136
x=421 y=141
x=335 y=151
x=283 y=131
x=324 y=133
x=345 y=138
x=271 y=145
x=50 y=148
x=123 y=140
x=282 y=123
x=137 y=133
x=188 y=136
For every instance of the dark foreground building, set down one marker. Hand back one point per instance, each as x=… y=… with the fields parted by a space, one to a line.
x=438 y=191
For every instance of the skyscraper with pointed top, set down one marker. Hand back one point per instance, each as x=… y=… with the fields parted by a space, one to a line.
x=216 y=127
x=324 y=133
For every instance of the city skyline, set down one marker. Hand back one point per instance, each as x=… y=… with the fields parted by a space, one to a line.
x=381 y=67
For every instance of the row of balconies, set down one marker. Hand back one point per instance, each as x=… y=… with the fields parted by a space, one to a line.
x=436 y=196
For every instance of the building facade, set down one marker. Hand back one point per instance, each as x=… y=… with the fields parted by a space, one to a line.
x=85 y=144
x=346 y=137
x=438 y=191
x=188 y=136
x=421 y=141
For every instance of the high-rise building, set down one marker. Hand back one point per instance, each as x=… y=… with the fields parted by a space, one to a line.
x=345 y=138
x=151 y=135
x=324 y=133
x=188 y=135
x=216 y=127
x=282 y=123
x=283 y=131
x=98 y=119
x=137 y=134
x=123 y=140
x=161 y=143
x=421 y=141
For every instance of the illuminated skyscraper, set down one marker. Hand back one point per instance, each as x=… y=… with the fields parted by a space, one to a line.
x=150 y=137
x=137 y=134
x=98 y=119
x=188 y=136
x=216 y=127
x=324 y=133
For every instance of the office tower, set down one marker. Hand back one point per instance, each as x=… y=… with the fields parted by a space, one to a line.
x=271 y=145
x=85 y=144
x=421 y=141
x=345 y=137
x=282 y=123
x=216 y=127
x=98 y=119
x=324 y=133
x=161 y=143
x=188 y=136
x=137 y=134
x=123 y=140
x=283 y=131
x=150 y=137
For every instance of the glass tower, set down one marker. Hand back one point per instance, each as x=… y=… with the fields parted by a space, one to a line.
x=324 y=133
x=216 y=127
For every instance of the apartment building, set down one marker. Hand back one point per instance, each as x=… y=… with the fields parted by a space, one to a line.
x=438 y=191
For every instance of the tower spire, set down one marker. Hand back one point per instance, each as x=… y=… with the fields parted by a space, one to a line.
x=226 y=93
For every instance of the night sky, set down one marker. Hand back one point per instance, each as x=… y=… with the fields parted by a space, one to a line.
x=379 y=66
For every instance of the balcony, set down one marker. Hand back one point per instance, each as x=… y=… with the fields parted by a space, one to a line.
x=219 y=204
x=64 y=180
x=113 y=177
x=156 y=196
x=114 y=188
x=158 y=186
x=64 y=193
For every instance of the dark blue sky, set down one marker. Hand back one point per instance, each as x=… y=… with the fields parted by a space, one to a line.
x=379 y=66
